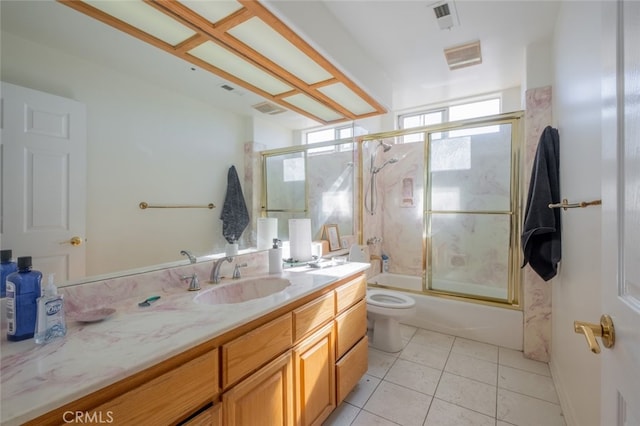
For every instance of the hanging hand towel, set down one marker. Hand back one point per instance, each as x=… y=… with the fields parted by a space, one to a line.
x=235 y=216
x=541 y=236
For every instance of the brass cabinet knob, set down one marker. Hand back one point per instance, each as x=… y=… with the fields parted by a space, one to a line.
x=604 y=330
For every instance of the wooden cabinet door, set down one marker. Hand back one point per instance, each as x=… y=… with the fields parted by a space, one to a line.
x=264 y=398
x=314 y=361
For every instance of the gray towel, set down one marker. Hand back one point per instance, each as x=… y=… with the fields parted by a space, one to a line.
x=541 y=233
x=235 y=216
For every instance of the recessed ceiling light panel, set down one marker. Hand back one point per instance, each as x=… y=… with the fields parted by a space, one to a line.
x=221 y=58
x=146 y=18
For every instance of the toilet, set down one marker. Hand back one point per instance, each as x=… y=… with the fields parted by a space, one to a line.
x=385 y=309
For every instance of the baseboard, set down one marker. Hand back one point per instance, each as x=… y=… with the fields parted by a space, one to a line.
x=565 y=403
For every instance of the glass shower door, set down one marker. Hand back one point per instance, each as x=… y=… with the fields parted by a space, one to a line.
x=470 y=212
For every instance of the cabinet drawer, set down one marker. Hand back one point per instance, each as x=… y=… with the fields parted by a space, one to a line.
x=351 y=326
x=350 y=293
x=351 y=368
x=209 y=417
x=169 y=397
x=252 y=350
x=312 y=315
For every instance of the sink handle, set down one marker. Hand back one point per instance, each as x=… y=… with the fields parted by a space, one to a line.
x=194 y=284
x=236 y=270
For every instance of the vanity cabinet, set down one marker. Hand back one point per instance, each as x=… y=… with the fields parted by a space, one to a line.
x=290 y=367
x=351 y=341
x=314 y=360
x=265 y=397
x=166 y=393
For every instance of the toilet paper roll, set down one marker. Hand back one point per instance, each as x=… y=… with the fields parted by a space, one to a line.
x=267 y=231
x=300 y=239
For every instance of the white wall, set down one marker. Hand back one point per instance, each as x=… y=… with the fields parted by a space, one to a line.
x=577 y=109
x=145 y=143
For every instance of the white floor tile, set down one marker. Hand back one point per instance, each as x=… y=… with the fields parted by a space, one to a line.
x=407 y=331
x=379 y=363
x=433 y=339
x=472 y=368
x=426 y=355
x=443 y=413
x=469 y=379
x=368 y=419
x=467 y=393
x=343 y=415
x=516 y=359
x=414 y=376
x=524 y=410
x=399 y=404
x=527 y=383
x=475 y=349
x=362 y=391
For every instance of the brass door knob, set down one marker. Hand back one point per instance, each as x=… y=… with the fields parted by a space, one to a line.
x=604 y=330
x=74 y=241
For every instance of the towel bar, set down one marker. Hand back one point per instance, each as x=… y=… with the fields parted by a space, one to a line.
x=144 y=205
x=566 y=205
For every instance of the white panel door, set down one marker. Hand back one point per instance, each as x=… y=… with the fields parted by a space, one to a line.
x=44 y=180
x=621 y=213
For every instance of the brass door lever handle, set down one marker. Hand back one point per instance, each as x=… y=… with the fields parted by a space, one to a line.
x=604 y=330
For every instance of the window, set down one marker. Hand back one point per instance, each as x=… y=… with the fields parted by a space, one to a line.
x=452 y=113
x=327 y=135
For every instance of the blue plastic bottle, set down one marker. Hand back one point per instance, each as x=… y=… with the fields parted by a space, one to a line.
x=23 y=291
x=6 y=267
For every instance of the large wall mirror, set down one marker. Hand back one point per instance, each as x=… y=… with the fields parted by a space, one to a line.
x=145 y=141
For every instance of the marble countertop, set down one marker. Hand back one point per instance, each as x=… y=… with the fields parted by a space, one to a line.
x=36 y=379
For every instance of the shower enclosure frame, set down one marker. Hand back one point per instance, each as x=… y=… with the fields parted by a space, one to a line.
x=265 y=210
x=515 y=119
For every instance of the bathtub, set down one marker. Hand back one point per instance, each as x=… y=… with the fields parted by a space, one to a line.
x=489 y=324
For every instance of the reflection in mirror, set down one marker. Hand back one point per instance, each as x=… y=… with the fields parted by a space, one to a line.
x=145 y=141
x=312 y=181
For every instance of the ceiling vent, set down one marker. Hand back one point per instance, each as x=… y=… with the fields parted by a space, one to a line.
x=231 y=89
x=463 y=55
x=446 y=14
x=269 y=108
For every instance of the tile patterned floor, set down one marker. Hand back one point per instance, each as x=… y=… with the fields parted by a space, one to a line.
x=441 y=380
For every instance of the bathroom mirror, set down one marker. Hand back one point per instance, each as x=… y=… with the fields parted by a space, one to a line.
x=146 y=142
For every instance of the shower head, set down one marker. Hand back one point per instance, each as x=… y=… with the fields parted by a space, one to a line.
x=385 y=146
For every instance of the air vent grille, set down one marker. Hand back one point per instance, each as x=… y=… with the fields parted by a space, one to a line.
x=446 y=15
x=269 y=108
x=464 y=55
x=442 y=10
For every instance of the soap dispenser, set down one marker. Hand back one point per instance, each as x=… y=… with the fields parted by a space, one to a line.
x=50 y=322
x=275 y=257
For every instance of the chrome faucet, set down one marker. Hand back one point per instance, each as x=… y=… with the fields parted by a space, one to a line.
x=215 y=271
x=192 y=258
x=194 y=284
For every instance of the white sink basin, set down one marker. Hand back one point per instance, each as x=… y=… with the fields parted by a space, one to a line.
x=242 y=291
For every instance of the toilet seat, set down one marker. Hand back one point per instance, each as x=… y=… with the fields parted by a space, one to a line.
x=389 y=299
